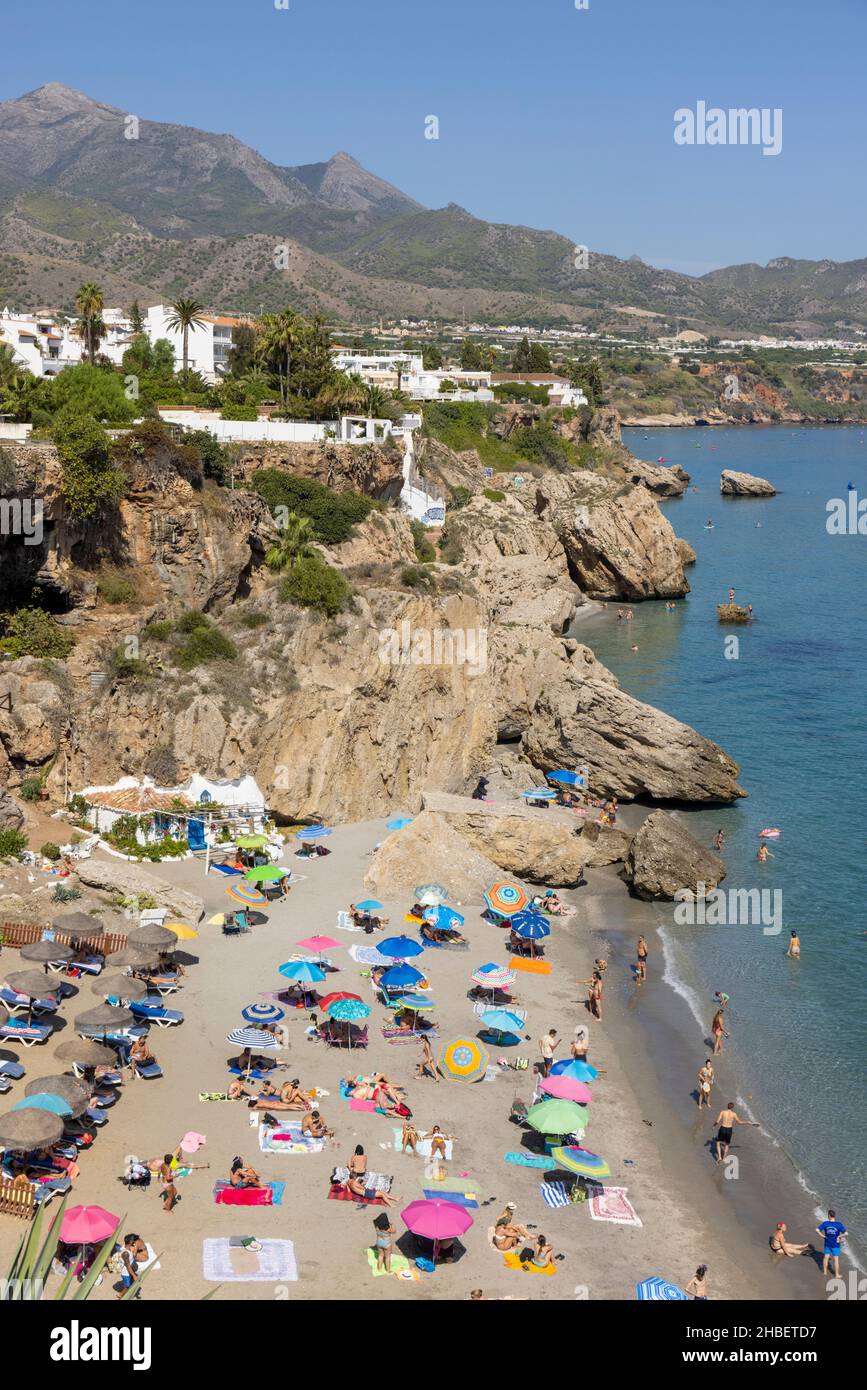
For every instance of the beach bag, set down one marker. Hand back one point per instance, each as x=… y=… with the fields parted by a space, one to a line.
x=403 y=1111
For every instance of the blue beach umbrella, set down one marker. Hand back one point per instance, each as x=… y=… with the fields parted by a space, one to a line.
x=530 y=925
x=262 y=1013
x=576 y=1068
x=401 y=977
x=400 y=947
x=398 y=823
x=312 y=832
x=540 y=794
x=348 y=1010
x=502 y=1021
x=443 y=917
x=43 y=1100
x=369 y=905
x=303 y=970
x=566 y=779
x=658 y=1290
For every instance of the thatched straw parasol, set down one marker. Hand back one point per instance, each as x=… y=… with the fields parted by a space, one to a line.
x=35 y=983
x=44 y=951
x=86 y=1052
x=137 y=957
x=25 y=1130
x=75 y=1093
x=78 y=924
x=105 y=1018
x=119 y=987
x=152 y=934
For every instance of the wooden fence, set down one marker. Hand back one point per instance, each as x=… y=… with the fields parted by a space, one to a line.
x=18 y=1197
x=26 y=933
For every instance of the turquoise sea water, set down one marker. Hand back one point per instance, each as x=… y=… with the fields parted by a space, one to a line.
x=792 y=711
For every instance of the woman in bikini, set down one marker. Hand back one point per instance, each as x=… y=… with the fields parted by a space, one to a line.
x=781 y=1246
x=706 y=1079
x=543 y=1255
x=506 y=1236
x=718 y=1032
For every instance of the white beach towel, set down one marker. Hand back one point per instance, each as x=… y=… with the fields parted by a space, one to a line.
x=423 y=1145
x=298 y=1144
x=275 y=1262
x=611 y=1204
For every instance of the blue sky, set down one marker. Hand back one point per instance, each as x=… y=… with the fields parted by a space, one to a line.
x=549 y=116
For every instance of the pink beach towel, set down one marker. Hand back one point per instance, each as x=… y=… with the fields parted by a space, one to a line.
x=192 y=1142
x=362 y=1105
x=611 y=1204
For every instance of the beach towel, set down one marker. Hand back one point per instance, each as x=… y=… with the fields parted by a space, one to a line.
x=460 y=1199
x=554 y=1194
x=423 y=1145
x=611 y=1204
x=528 y=1160
x=400 y=1265
x=269 y=1195
x=288 y=1139
x=342 y=1194
x=192 y=1142
x=217 y=1095
x=374 y=1182
x=363 y=1105
x=512 y=1261
x=368 y=955
x=224 y=1262
x=532 y=967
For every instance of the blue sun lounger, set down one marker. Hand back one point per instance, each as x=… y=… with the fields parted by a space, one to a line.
x=149 y=1071
x=11 y=1070
x=16 y=1030
x=15 y=1001
x=227 y=869
x=155 y=1013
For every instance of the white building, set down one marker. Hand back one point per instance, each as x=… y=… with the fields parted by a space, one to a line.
x=208 y=345
x=45 y=343
x=350 y=429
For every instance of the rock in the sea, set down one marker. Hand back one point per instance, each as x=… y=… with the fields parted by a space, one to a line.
x=664 y=859
x=661 y=480
x=118 y=876
x=534 y=845
x=11 y=814
x=732 y=484
x=423 y=851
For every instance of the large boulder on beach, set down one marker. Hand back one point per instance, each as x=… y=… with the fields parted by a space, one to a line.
x=539 y=846
x=430 y=850
x=732 y=484
x=11 y=814
x=132 y=881
x=604 y=844
x=665 y=858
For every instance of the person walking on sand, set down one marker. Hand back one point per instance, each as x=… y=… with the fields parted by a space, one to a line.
x=641 y=962
x=833 y=1232
x=781 y=1246
x=427 y=1062
x=166 y=1175
x=706 y=1081
x=718 y=1032
x=697 y=1285
x=794 y=947
x=726 y=1121
x=548 y=1046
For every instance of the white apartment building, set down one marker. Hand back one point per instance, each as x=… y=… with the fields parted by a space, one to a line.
x=381 y=369
x=208 y=345
x=45 y=343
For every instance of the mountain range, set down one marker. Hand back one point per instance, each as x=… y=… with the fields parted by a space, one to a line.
x=153 y=210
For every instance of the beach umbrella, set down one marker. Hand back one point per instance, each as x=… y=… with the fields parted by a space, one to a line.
x=398 y=823
x=153 y=935
x=34 y=983
x=658 y=1290
x=503 y=1021
x=400 y=947
x=86 y=1053
x=253 y=1038
x=401 y=977
x=25 y=1130
x=540 y=794
x=87 y=1225
x=134 y=958
x=429 y=894
x=463 y=1059
x=44 y=1100
x=319 y=944
x=181 y=931
x=493 y=977
x=218 y=920
x=336 y=994
x=313 y=832
x=557 y=1117
x=44 y=951
x=246 y=893
x=369 y=905
x=565 y=778
x=530 y=925
x=435 y=1219
x=506 y=898
x=69 y=1088
x=444 y=917
x=581 y=1161
x=566 y=1088
x=77 y=924
x=119 y=987
x=302 y=970
x=262 y=1013
x=266 y=873
x=575 y=1067
x=349 y=1010
x=105 y=1018
x=251 y=841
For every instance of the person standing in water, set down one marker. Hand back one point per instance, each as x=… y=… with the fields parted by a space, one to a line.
x=706 y=1080
x=641 y=962
x=719 y=841
x=794 y=947
x=726 y=1121
x=764 y=854
x=833 y=1233
x=718 y=1032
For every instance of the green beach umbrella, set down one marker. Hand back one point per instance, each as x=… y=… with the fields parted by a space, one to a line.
x=557 y=1117
x=251 y=841
x=265 y=873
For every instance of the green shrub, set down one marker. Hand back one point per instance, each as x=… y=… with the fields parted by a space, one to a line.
x=239 y=412
x=424 y=550
x=65 y=895
x=77 y=805
x=334 y=514
x=313 y=584
x=115 y=587
x=12 y=842
x=202 y=643
x=194 y=621
x=460 y=496
x=253 y=620
x=31 y=788
x=416 y=577
x=158 y=632
x=30 y=632
x=216 y=460
x=494 y=494
x=90 y=481
x=50 y=850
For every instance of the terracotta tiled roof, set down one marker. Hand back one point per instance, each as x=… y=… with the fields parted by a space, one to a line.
x=137 y=800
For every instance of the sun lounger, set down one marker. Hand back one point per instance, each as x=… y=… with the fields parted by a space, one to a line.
x=27 y=1033
x=155 y=1013
x=22 y=1002
x=228 y=870
x=164 y=984
x=5 y=1085
x=11 y=1070
x=149 y=1071
x=91 y=966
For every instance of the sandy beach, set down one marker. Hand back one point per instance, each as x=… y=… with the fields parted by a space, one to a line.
x=640 y=1116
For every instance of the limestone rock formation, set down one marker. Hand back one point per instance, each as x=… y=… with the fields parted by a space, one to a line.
x=374 y=469
x=662 y=481
x=604 y=844
x=534 y=845
x=665 y=858
x=119 y=876
x=11 y=814
x=733 y=484
x=408 y=857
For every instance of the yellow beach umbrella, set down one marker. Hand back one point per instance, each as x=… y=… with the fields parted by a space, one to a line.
x=218 y=920
x=181 y=931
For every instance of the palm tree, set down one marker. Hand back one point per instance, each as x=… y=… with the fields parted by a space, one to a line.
x=344 y=391
x=294 y=543
x=90 y=326
x=9 y=364
x=280 y=337
x=185 y=314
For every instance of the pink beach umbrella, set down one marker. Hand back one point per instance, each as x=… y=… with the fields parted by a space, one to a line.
x=566 y=1088
x=87 y=1225
x=436 y=1220
x=319 y=944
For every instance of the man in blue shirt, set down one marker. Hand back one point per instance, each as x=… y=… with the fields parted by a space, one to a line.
x=832 y=1232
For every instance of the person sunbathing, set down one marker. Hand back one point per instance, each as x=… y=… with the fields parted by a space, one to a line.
x=242 y=1175
x=357 y=1186
x=506 y=1236
x=288 y=1097
x=238 y=1091
x=140 y=1055
x=248 y=1062
x=314 y=1126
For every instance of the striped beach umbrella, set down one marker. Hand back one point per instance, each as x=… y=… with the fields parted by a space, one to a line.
x=463 y=1059
x=400 y=947
x=429 y=894
x=539 y=794
x=444 y=918
x=253 y=1037
x=305 y=971
x=493 y=977
x=262 y=1013
x=247 y=894
x=658 y=1290
x=313 y=832
x=506 y=898
x=575 y=1067
x=557 y=1117
x=349 y=1010
x=581 y=1161
x=530 y=925
x=266 y=873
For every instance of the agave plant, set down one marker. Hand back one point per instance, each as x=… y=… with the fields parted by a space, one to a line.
x=35 y=1253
